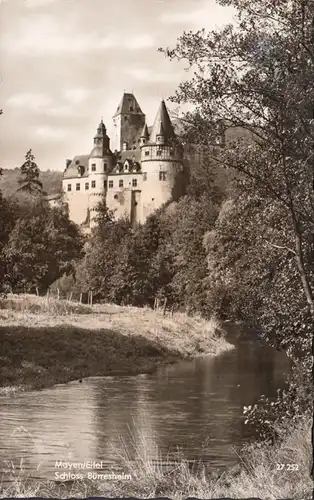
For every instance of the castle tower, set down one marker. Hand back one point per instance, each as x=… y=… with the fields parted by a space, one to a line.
x=144 y=136
x=161 y=158
x=128 y=122
x=99 y=164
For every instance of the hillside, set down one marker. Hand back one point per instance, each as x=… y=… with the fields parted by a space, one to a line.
x=52 y=181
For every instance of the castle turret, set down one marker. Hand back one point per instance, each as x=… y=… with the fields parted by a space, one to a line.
x=128 y=122
x=161 y=159
x=99 y=164
x=144 y=135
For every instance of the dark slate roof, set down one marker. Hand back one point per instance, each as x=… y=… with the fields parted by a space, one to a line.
x=162 y=124
x=127 y=102
x=73 y=169
x=134 y=167
x=145 y=133
x=130 y=154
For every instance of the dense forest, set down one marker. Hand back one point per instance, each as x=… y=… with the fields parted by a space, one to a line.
x=52 y=181
x=242 y=249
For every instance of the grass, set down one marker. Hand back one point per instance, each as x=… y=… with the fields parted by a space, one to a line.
x=256 y=476
x=44 y=342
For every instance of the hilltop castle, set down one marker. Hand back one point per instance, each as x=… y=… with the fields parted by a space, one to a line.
x=141 y=172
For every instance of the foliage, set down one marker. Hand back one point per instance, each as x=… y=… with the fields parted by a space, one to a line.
x=29 y=181
x=255 y=82
x=103 y=249
x=41 y=246
x=52 y=181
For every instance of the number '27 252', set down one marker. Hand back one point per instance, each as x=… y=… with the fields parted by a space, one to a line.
x=291 y=467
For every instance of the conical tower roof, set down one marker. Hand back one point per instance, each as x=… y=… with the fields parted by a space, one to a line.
x=145 y=134
x=162 y=125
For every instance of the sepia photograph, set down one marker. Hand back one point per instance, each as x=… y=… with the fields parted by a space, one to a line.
x=157 y=249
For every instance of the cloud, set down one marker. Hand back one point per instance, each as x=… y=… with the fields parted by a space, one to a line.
x=37 y=3
x=29 y=101
x=144 y=41
x=44 y=35
x=207 y=16
x=77 y=95
x=52 y=133
x=149 y=75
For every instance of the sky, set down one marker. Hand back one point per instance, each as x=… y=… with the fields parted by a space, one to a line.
x=64 y=65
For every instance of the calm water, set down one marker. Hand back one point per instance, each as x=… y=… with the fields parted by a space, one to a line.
x=194 y=406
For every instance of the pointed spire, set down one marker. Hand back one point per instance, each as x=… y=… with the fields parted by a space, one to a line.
x=101 y=141
x=101 y=130
x=160 y=130
x=145 y=134
x=162 y=125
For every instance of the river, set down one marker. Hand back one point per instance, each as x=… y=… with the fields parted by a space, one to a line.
x=194 y=407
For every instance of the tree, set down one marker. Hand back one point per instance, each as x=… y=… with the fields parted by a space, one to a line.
x=256 y=81
x=29 y=181
x=103 y=250
x=259 y=76
x=42 y=246
x=7 y=220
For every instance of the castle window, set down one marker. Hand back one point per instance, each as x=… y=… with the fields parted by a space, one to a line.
x=121 y=183
x=116 y=196
x=78 y=186
x=105 y=167
x=86 y=186
x=69 y=187
x=125 y=118
x=105 y=184
x=111 y=184
x=162 y=176
x=146 y=153
x=134 y=182
x=93 y=167
x=144 y=176
x=131 y=108
x=171 y=152
x=93 y=185
x=158 y=152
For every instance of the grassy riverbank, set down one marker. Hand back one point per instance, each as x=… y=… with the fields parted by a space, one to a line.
x=44 y=342
x=258 y=475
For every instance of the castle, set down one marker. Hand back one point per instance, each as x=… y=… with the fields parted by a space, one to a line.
x=141 y=172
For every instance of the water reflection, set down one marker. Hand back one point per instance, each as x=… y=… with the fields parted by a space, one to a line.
x=194 y=405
